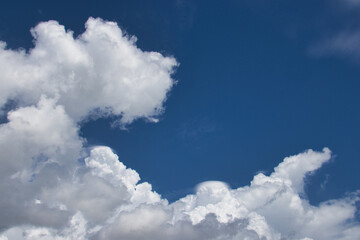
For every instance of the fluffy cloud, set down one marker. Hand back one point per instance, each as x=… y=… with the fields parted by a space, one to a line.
x=105 y=201
x=99 y=72
x=54 y=187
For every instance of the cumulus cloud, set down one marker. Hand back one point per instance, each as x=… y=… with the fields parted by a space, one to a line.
x=54 y=187
x=105 y=201
x=100 y=72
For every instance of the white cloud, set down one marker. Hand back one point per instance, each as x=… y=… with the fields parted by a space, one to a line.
x=53 y=188
x=101 y=71
x=35 y=133
x=114 y=206
x=39 y=147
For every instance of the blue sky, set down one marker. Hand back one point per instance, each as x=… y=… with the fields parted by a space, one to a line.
x=257 y=81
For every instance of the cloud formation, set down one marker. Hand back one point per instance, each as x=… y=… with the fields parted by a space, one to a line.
x=54 y=187
x=100 y=72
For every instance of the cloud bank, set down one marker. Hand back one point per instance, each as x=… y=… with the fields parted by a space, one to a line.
x=53 y=187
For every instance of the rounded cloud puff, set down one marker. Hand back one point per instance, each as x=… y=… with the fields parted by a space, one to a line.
x=101 y=72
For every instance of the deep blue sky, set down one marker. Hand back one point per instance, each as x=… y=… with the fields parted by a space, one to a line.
x=250 y=92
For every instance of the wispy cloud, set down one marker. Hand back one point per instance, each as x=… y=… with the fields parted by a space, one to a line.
x=345 y=44
x=353 y=3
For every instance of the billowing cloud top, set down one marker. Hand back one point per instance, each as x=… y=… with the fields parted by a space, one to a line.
x=99 y=72
x=53 y=187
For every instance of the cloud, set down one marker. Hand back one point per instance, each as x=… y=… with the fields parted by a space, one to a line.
x=343 y=44
x=344 y=41
x=352 y=3
x=107 y=202
x=100 y=72
x=54 y=187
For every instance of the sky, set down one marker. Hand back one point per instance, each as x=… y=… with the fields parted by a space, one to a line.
x=179 y=119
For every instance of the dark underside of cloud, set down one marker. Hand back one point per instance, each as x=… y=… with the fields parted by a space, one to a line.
x=47 y=193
